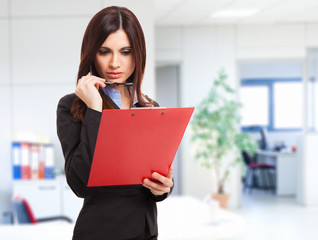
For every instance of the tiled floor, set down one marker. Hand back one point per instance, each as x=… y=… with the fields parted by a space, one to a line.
x=277 y=218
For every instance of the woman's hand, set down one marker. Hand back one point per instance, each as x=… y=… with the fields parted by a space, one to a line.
x=163 y=185
x=87 y=91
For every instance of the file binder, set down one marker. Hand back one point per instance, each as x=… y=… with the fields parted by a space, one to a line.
x=41 y=161
x=134 y=143
x=34 y=149
x=25 y=160
x=16 y=160
x=49 y=161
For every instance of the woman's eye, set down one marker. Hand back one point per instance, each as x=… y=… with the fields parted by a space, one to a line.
x=125 y=52
x=103 y=52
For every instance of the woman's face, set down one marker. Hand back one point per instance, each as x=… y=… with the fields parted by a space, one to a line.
x=114 y=60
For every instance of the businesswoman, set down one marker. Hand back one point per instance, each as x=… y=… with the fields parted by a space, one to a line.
x=113 y=49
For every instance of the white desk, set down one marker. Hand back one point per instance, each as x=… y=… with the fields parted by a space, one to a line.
x=179 y=218
x=286 y=170
x=188 y=218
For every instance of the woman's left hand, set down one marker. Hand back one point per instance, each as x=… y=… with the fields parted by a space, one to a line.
x=163 y=185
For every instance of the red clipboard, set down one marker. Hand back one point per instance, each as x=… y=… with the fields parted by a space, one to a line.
x=134 y=143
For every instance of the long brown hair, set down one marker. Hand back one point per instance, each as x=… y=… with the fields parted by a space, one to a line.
x=105 y=22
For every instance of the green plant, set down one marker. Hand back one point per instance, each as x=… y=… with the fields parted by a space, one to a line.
x=216 y=128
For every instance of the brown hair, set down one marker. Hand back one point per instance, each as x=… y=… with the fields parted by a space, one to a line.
x=105 y=22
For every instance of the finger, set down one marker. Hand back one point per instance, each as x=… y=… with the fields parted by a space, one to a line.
x=151 y=185
x=83 y=80
x=170 y=174
x=164 y=180
x=89 y=75
x=157 y=192
x=100 y=83
x=153 y=190
x=85 y=76
x=155 y=186
x=96 y=81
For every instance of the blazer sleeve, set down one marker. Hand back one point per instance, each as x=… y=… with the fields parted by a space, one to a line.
x=78 y=141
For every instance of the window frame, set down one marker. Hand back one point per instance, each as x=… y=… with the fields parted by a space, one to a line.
x=269 y=83
x=312 y=126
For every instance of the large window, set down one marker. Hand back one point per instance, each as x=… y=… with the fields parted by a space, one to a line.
x=254 y=98
x=272 y=103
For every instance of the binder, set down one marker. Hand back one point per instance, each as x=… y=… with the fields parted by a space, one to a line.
x=34 y=161
x=25 y=160
x=134 y=143
x=41 y=161
x=16 y=160
x=49 y=161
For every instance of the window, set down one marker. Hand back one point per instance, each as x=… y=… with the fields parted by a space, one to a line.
x=273 y=103
x=254 y=98
x=287 y=105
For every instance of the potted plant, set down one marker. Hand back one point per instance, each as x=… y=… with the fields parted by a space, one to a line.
x=216 y=130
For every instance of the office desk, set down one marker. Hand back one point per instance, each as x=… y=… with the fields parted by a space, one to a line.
x=188 y=218
x=179 y=218
x=286 y=169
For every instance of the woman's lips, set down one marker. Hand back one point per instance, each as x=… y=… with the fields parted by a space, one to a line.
x=114 y=75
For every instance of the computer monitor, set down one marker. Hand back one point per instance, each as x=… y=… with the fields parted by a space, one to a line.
x=264 y=140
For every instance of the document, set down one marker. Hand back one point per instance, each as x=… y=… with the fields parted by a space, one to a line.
x=134 y=143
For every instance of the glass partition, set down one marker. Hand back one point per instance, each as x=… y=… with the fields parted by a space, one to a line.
x=312 y=90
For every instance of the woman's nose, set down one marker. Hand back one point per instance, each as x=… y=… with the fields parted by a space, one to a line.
x=114 y=62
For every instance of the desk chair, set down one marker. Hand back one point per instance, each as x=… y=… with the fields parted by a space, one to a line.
x=25 y=214
x=265 y=173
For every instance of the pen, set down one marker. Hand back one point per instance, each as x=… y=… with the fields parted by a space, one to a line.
x=119 y=84
x=114 y=83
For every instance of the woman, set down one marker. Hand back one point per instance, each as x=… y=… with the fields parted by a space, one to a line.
x=113 y=49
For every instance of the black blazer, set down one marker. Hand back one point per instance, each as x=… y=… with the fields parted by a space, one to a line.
x=116 y=212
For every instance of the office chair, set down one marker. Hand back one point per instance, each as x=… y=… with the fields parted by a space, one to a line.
x=25 y=214
x=265 y=173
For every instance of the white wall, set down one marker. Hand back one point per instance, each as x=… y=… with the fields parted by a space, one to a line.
x=308 y=186
x=201 y=53
x=203 y=50
x=39 y=57
x=271 y=69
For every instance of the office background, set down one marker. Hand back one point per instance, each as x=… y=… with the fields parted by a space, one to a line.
x=39 y=55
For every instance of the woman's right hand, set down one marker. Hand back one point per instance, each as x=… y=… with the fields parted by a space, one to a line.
x=87 y=90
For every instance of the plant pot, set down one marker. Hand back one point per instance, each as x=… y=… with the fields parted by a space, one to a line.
x=222 y=199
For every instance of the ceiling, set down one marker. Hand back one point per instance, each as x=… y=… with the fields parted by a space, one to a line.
x=198 y=12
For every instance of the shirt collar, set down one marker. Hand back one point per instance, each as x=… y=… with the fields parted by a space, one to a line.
x=115 y=96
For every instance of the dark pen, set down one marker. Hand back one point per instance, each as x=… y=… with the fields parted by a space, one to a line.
x=114 y=84
x=119 y=84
